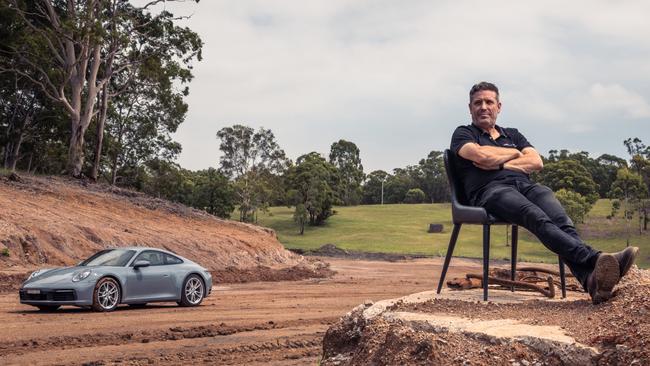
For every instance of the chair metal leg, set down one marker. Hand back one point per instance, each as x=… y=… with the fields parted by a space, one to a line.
x=513 y=256
x=450 y=251
x=486 y=259
x=562 y=278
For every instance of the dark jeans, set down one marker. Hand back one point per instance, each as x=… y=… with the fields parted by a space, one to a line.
x=535 y=207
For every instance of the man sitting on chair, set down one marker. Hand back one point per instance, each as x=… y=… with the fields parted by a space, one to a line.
x=494 y=163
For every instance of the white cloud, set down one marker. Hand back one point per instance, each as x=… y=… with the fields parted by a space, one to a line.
x=615 y=96
x=393 y=76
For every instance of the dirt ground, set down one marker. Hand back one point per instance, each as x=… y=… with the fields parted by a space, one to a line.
x=271 y=323
x=618 y=329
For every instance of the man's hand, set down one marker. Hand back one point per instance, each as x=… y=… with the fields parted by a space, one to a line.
x=529 y=162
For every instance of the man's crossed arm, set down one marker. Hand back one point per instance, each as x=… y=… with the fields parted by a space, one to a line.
x=491 y=158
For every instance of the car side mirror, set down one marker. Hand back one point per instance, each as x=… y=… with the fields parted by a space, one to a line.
x=141 y=263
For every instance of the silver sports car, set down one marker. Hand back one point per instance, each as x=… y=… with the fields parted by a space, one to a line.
x=131 y=275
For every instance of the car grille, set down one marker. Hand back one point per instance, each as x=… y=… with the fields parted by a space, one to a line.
x=55 y=295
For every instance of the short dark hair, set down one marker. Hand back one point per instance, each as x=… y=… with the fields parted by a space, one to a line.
x=483 y=85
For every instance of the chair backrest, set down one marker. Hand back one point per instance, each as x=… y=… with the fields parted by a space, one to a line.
x=458 y=196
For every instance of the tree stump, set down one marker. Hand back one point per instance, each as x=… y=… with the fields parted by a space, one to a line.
x=435 y=228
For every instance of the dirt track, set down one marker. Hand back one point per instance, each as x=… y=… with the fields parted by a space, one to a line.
x=253 y=323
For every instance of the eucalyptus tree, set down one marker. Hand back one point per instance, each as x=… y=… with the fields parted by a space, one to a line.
x=433 y=178
x=74 y=48
x=344 y=155
x=313 y=186
x=249 y=157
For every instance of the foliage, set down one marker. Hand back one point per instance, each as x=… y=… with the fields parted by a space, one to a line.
x=640 y=162
x=630 y=189
x=616 y=205
x=213 y=193
x=569 y=175
x=398 y=184
x=250 y=158
x=575 y=205
x=312 y=185
x=167 y=180
x=82 y=54
x=300 y=216
x=432 y=178
x=373 y=187
x=602 y=170
x=429 y=176
x=206 y=190
x=414 y=195
x=344 y=155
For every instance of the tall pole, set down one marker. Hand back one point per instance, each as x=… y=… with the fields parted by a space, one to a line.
x=382 y=192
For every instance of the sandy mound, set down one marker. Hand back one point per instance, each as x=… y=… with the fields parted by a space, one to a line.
x=51 y=221
x=613 y=333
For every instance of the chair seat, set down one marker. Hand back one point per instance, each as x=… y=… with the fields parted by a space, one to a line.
x=462 y=214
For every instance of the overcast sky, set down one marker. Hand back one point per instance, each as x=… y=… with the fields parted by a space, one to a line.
x=393 y=76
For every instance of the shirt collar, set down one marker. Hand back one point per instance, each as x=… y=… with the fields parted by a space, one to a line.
x=501 y=130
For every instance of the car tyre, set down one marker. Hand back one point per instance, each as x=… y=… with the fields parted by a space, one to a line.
x=48 y=308
x=193 y=291
x=106 y=296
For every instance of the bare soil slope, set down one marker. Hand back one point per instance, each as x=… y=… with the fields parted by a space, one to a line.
x=619 y=331
x=51 y=221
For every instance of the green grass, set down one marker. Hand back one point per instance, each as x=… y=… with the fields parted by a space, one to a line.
x=403 y=229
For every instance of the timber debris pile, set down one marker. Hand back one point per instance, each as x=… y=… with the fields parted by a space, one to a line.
x=528 y=278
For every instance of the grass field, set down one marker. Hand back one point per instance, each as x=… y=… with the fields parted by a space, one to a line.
x=403 y=229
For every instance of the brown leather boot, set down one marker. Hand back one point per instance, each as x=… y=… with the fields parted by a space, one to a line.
x=626 y=258
x=603 y=278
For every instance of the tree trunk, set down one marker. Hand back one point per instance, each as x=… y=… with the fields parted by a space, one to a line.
x=100 y=133
x=29 y=164
x=76 y=152
x=10 y=163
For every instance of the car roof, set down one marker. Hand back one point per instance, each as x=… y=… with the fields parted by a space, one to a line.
x=140 y=249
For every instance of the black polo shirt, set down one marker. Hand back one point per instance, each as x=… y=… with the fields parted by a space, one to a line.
x=474 y=179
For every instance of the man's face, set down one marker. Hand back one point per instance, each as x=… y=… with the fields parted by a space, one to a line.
x=484 y=108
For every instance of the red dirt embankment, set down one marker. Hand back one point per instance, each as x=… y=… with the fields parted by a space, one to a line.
x=52 y=221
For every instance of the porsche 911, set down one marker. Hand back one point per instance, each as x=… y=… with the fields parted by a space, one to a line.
x=131 y=275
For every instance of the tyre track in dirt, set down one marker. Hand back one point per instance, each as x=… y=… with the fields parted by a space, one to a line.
x=128 y=337
x=269 y=323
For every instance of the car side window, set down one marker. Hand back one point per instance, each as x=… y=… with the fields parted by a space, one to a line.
x=154 y=257
x=170 y=259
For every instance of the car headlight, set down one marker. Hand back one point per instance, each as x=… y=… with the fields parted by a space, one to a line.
x=81 y=275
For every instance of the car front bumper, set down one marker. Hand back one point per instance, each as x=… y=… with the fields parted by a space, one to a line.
x=78 y=295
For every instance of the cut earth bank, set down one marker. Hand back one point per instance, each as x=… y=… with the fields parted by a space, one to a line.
x=512 y=329
x=51 y=221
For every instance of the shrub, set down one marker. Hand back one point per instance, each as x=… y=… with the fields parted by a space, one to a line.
x=575 y=204
x=414 y=195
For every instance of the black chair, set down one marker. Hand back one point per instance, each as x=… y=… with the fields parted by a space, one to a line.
x=463 y=213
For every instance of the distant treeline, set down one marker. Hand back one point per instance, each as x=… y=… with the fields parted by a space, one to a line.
x=95 y=90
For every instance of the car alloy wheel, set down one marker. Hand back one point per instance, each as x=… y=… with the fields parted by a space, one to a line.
x=193 y=291
x=107 y=295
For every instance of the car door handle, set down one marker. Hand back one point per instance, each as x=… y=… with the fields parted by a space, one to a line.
x=165 y=275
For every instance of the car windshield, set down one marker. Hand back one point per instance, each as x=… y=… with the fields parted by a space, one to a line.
x=109 y=257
